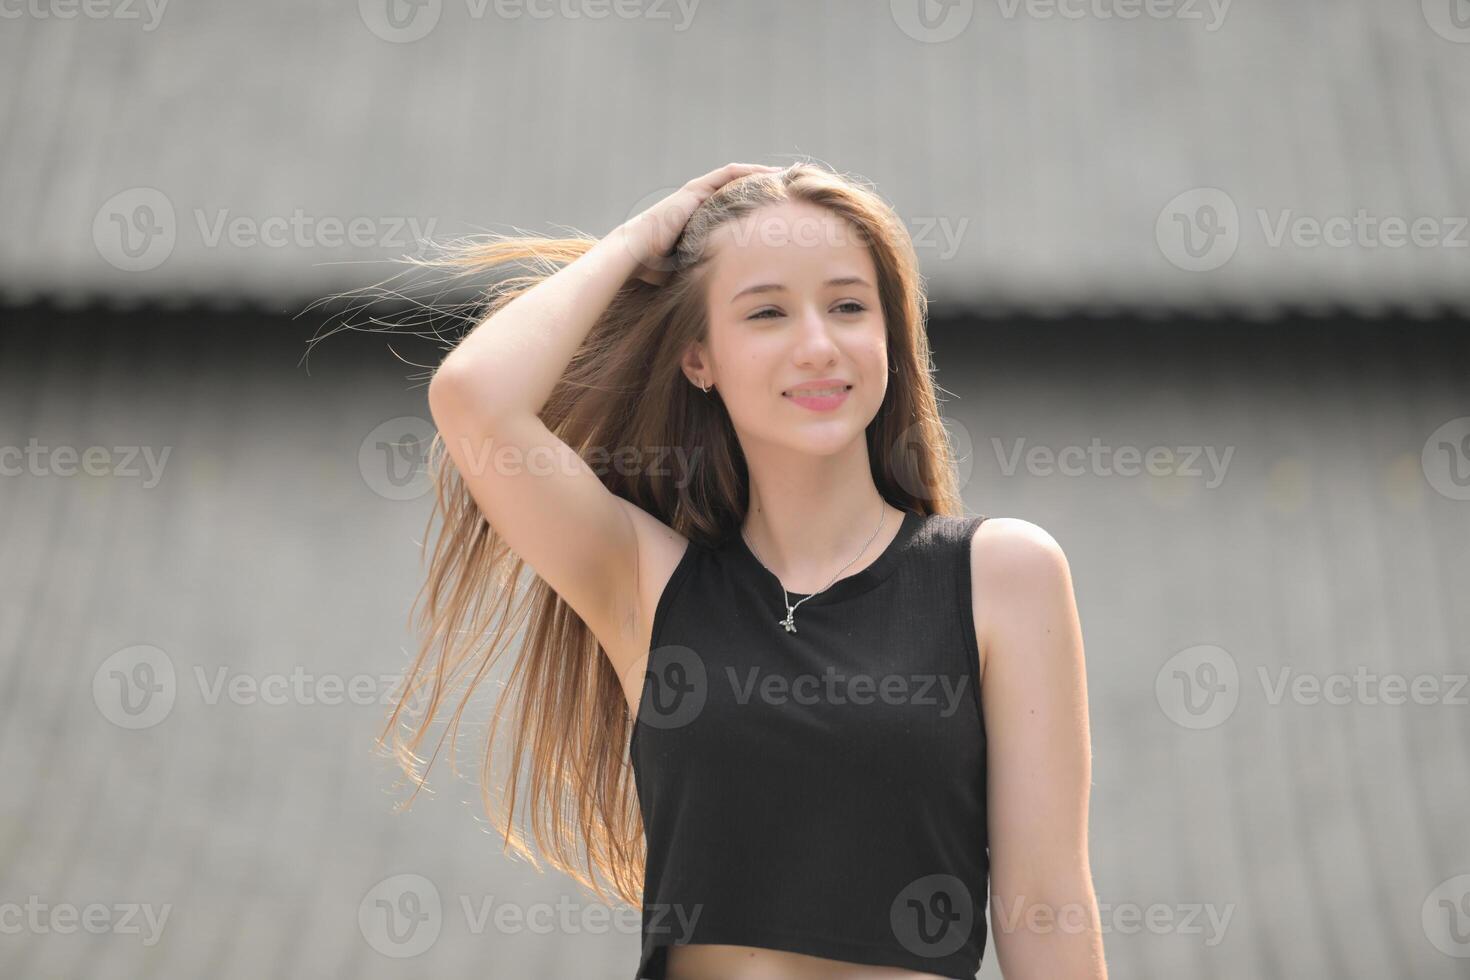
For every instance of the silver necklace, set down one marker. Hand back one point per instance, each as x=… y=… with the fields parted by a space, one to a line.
x=790 y=621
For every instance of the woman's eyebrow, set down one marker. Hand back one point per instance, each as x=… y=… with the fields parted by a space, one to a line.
x=776 y=287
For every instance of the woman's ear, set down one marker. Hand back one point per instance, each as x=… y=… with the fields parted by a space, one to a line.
x=693 y=363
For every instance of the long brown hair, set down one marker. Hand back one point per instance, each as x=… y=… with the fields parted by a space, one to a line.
x=570 y=712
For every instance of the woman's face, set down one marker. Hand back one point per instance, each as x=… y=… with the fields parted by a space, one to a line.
x=793 y=301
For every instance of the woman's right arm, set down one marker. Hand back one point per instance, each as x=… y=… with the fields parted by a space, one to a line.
x=536 y=492
x=486 y=396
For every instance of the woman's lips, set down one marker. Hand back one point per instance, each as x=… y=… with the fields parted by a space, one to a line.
x=821 y=402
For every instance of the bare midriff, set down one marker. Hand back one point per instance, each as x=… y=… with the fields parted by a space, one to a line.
x=710 y=961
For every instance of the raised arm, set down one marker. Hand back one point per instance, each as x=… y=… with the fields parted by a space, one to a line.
x=536 y=492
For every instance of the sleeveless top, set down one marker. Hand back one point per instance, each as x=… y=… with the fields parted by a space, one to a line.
x=819 y=791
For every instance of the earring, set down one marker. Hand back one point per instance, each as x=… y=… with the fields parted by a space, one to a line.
x=703 y=388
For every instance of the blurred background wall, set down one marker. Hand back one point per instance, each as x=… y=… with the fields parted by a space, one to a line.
x=1199 y=285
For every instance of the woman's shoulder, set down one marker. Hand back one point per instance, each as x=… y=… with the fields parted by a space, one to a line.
x=1004 y=542
x=1014 y=550
x=1017 y=570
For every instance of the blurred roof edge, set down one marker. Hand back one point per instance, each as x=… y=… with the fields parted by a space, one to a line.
x=319 y=309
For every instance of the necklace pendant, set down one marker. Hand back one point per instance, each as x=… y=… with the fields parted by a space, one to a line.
x=790 y=621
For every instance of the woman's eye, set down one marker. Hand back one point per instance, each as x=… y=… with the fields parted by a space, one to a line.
x=850 y=307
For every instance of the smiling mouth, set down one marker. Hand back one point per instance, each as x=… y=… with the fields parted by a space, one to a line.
x=816 y=392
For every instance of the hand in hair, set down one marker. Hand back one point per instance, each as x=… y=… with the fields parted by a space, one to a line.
x=651 y=235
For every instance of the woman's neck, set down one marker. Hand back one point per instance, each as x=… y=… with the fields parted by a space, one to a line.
x=806 y=521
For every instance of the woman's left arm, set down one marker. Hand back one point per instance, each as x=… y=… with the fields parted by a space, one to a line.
x=1043 y=910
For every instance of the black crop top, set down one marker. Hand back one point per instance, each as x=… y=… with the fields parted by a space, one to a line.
x=822 y=791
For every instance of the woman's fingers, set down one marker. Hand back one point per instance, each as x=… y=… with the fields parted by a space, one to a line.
x=659 y=227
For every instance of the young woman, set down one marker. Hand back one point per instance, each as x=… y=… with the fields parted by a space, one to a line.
x=714 y=438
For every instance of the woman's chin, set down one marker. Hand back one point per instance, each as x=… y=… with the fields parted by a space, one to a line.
x=822 y=439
